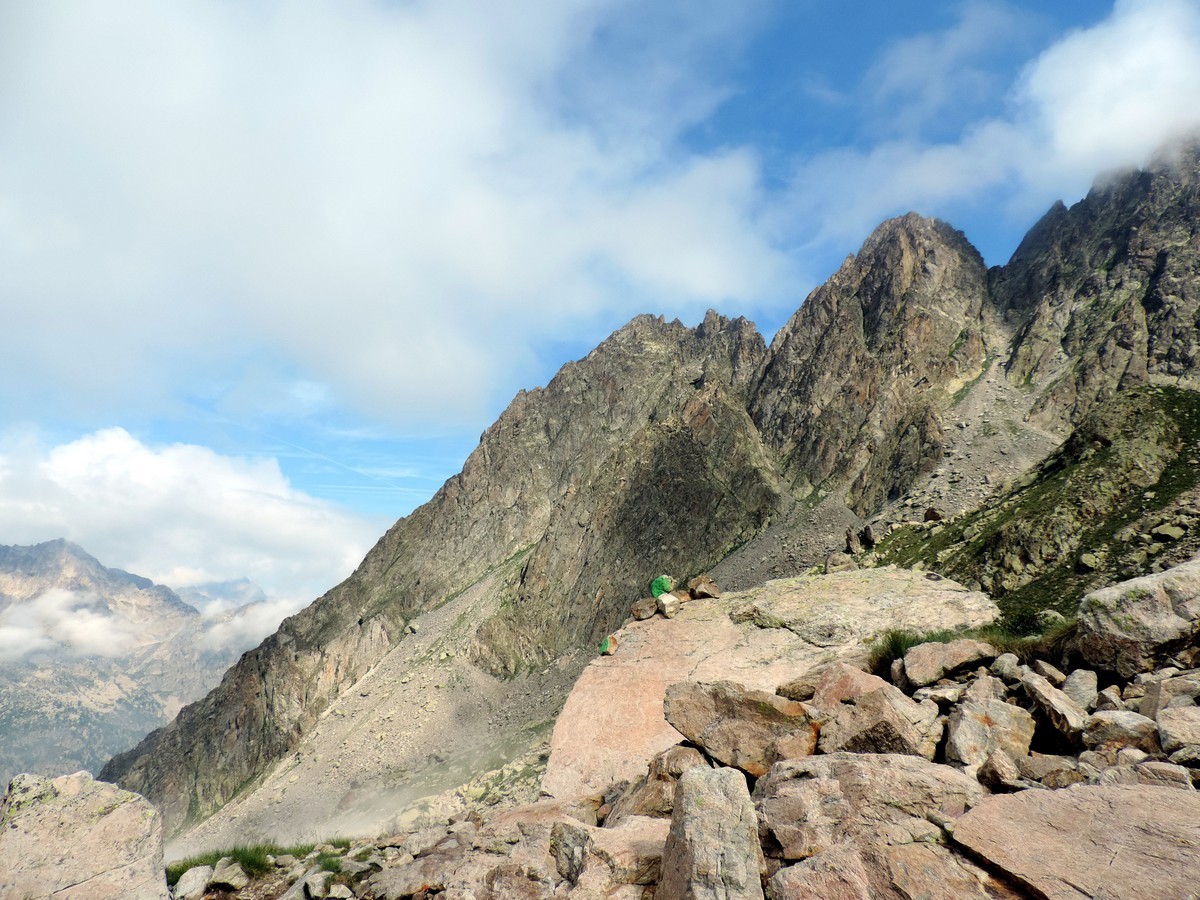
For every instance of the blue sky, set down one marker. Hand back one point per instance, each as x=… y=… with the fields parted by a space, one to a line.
x=269 y=269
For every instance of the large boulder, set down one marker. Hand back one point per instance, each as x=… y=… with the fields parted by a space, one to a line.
x=612 y=722
x=1091 y=840
x=883 y=721
x=926 y=663
x=866 y=826
x=75 y=838
x=978 y=728
x=740 y=727
x=712 y=850
x=1138 y=625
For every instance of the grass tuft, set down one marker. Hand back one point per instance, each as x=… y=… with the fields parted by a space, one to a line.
x=253 y=858
x=1052 y=644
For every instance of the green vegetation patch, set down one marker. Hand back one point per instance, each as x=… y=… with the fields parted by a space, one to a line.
x=253 y=858
x=1049 y=644
x=1128 y=460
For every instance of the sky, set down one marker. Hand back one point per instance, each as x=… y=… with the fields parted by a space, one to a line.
x=268 y=269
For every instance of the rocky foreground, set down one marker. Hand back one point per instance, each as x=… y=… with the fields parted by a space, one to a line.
x=740 y=749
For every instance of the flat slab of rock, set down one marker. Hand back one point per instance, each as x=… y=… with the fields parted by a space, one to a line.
x=1091 y=840
x=1133 y=626
x=75 y=838
x=926 y=663
x=612 y=723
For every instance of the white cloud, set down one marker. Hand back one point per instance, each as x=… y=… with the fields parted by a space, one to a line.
x=1100 y=98
x=63 y=621
x=928 y=76
x=179 y=514
x=393 y=199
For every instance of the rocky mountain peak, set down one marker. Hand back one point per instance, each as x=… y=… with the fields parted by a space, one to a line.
x=1106 y=294
x=852 y=383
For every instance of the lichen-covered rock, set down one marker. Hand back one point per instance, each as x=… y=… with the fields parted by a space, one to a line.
x=712 y=851
x=1134 y=626
x=866 y=820
x=740 y=727
x=79 y=839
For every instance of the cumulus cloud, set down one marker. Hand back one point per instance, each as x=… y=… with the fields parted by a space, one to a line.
x=63 y=621
x=1100 y=98
x=180 y=514
x=398 y=200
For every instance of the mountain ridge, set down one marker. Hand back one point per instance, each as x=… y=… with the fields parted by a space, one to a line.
x=672 y=449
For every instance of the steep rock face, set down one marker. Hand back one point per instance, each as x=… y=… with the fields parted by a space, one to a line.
x=580 y=478
x=853 y=385
x=1106 y=294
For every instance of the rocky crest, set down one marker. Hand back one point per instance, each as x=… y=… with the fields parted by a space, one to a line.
x=1106 y=294
x=855 y=383
x=678 y=449
x=970 y=773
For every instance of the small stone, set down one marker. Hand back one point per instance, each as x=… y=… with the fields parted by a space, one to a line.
x=643 y=609
x=1063 y=712
x=926 y=663
x=1109 y=699
x=702 y=586
x=1168 y=532
x=668 y=605
x=839 y=562
x=1179 y=727
x=999 y=773
x=1080 y=686
x=1117 y=729
x=1007 y=666
x=228 y=873
x=1051 y=673
x=193 y=883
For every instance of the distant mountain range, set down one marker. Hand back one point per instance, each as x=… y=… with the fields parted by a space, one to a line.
x=92 y=658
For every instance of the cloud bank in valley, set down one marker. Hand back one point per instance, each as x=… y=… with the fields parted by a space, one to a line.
x=181 y=515
x=60 y=621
